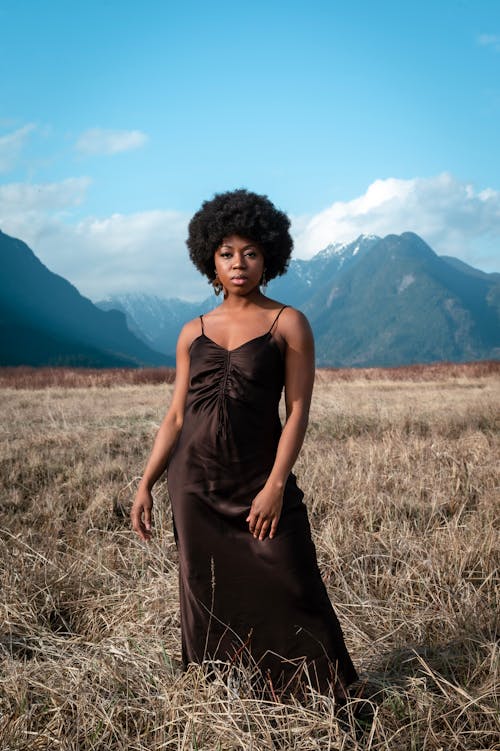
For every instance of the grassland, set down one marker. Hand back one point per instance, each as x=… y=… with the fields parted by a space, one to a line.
x=400 y=472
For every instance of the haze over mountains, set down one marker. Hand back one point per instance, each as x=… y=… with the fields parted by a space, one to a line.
x=373 y=302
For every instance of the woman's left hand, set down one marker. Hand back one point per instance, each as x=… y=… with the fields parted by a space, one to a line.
x=265 y=513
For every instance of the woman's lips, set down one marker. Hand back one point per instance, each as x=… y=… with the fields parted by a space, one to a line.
x=239 y=280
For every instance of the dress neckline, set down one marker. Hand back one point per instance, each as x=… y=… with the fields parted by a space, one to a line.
x=234 y=349
x=244 y=344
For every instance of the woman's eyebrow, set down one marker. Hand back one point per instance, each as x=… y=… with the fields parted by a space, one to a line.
x=231 y=247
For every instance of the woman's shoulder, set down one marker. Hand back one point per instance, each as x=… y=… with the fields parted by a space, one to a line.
x=293 y=316
x=293 y=324
x=192 y=325
x=188 y=333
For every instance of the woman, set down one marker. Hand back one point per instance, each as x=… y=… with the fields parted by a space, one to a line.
x=250 y=587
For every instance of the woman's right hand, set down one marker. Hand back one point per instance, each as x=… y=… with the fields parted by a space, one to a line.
x=140 y=514
x=168 y=433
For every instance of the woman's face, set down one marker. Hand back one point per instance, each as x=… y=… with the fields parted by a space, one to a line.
x=239 y=263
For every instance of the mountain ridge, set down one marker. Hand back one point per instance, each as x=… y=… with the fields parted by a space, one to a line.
x=371 y=302
x=443 y=318
x=431 y=311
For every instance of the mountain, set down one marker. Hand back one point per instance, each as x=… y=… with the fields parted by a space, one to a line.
x=462 y=266
x=44 y=320
x=303 y=277
x=401 y=304
x=374 y=301
x=154 y=319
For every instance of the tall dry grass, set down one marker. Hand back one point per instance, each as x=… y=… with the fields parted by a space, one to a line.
x=26 y=377
x=401 y=482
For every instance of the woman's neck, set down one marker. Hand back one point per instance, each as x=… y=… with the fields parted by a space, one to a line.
x=240 y=302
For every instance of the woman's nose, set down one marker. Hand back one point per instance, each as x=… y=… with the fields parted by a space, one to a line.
x=238 y=260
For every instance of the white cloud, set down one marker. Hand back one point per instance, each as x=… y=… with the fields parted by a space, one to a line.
x=22 y=198
x=489 y=40
x=102 y=141
x=11 y=146
x=144 y=251
x=450 y=215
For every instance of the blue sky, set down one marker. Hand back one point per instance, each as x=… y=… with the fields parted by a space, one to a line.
x=118 y=119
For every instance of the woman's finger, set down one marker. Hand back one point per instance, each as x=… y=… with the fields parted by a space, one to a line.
x=140 y=527
x=274 y=527
x=263 y=529
x=257 y=526
x=251 y=521
x=134 y=519
x=147 y=519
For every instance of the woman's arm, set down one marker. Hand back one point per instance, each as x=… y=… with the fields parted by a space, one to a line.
x=299 y=379
x=166 y=437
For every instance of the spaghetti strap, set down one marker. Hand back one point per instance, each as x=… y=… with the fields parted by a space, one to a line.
x=202 y=327
x=279 y=313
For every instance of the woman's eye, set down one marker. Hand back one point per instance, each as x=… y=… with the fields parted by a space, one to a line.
x=225 y=255
x=251 y=253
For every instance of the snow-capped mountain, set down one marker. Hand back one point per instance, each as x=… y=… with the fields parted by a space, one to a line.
x=346 y=250
x=401 y=303
x=303 y=276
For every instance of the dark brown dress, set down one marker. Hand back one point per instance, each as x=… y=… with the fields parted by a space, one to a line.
x=260 y=602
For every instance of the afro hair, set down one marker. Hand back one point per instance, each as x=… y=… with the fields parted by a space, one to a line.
x=240 y=212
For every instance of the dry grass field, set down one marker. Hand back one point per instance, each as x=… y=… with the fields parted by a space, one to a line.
x=400 y=473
